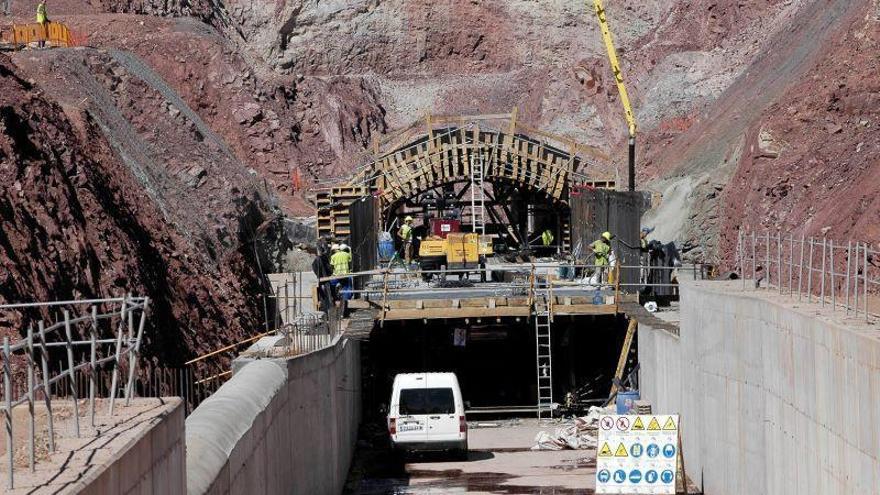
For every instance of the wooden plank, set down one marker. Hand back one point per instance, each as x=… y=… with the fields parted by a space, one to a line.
x=450 y=313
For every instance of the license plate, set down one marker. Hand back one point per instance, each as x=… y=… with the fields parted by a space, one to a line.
x=411 y=427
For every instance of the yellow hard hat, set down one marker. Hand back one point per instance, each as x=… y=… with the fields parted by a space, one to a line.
x=408 y=219
x=607 y=236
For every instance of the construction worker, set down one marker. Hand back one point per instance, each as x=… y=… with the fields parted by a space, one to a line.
x=405 y=233
x=321 y=267
x=547 y=238
x=643 y=238
x=643 y=249
x=602 y=252
x=42 y=20
x=341 y=263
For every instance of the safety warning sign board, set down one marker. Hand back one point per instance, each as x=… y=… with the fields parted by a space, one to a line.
x=637 y=454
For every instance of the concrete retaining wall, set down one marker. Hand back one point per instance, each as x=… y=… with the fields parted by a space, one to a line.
x=153 y=462
x=773 y=399
x=278 y=426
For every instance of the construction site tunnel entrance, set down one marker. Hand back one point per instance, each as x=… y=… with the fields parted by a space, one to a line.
x=495 y=361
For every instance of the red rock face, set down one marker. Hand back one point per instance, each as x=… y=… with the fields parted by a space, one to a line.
x=78 y=223
x=812 y=163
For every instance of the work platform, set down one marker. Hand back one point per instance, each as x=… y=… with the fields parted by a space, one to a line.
x=490 y=301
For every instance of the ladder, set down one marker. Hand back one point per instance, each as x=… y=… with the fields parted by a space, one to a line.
x=478 y=200
x=543 y=357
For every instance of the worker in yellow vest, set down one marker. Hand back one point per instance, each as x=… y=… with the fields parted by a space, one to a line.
x=341 y=260
x=42 y=19
x=341 y=263
x=405 y=233
x=602 y=252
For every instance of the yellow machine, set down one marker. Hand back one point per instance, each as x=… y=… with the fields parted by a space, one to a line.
x=457 y=251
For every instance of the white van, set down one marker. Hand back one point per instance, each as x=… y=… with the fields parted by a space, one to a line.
x=427 y=413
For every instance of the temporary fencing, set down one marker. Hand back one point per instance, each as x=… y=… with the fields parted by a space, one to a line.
x=53 y=33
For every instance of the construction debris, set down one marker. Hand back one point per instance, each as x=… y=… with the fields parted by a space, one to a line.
x=577 y=433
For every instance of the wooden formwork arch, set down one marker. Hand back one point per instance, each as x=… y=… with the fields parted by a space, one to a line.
x=438 y=150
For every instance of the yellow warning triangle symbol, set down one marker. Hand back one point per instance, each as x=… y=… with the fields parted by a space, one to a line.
x=654 y=424
x=605 y=451
x=621 y=451
x=637 y=424
x=670 y=424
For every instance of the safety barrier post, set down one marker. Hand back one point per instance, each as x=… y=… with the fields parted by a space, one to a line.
x=824 y=251
x=767 y=268
x=801 y=267
x=810 y=274
x=30 y=379
x=831 y=278
x=7 y=413
x=865 y=272
x=856 y=281
x=779 y=262
x=70 y=370
x=47 y=387
x=94 y=371
x=790 y=262
x=848 y=264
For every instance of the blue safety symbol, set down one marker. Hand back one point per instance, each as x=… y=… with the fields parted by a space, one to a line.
x=635 y=476
x=636 y=450
x=603 y=476
x=619 y=476
x=667 y=476
x=653 y=450
x=669 y=451
x=651 y=476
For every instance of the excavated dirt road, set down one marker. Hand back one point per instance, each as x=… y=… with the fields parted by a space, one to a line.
x=499 y=462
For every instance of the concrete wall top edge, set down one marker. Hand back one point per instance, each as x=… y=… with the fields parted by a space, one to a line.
x=733 y=289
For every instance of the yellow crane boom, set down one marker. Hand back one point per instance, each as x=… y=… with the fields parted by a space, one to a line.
x=621 y=88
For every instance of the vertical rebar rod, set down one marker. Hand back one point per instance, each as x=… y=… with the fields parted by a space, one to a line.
x=801 y=266
x=856 y=281
x=790 y=262
x=779 y=262
x=739 y=255
x=831 y=278
x=767 y=268
x=47 y=387
x=135 y=354
x=754 y=261
x=824 y=254
x=865 y=285
x=93 y=368
x=810 y=274
x=32 y=424
x=286 y=304
x=848 y=264
x=115 y=377
x=70 y=371
x=7 y=413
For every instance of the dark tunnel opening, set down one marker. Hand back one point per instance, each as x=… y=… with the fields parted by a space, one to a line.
x=496 y=362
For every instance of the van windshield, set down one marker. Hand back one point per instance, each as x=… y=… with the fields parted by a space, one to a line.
x=426 y=401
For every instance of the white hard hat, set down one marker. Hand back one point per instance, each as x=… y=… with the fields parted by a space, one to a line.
x=344 y=247
x=334 y=247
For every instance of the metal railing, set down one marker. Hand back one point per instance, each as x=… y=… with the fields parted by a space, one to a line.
x=113 y=328
x=844 y=276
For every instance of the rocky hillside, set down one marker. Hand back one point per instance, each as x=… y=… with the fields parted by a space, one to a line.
x=702 y=75
x=86 y=213
x=186 y=126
